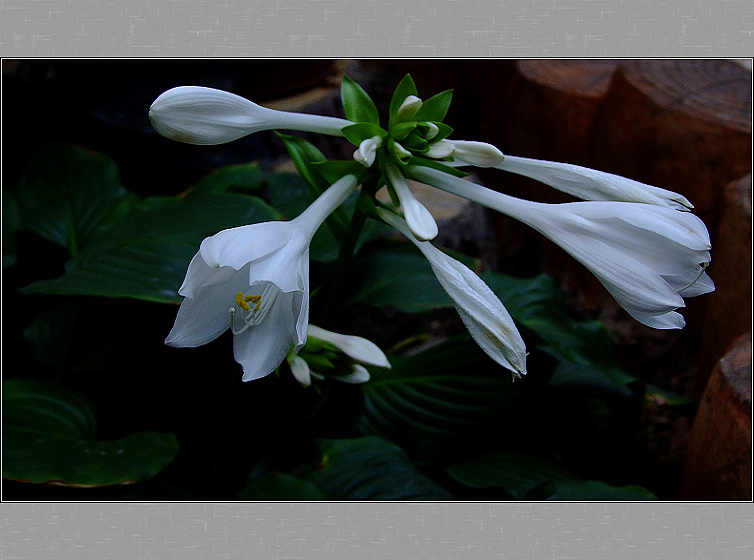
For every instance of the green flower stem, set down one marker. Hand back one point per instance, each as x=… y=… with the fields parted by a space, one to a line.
x=342 y=267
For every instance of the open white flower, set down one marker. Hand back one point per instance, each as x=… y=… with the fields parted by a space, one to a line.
x=484 y=315
x=590 y=184
x=648 y=257
x=201 y=115
x=254 y=280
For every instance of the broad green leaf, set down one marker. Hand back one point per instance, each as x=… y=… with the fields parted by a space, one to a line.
x=397 y=274
x=515 y=471
x=435 y=108
x=50 y=436
x=357 y=133
x=608 y=381
x=66 y=194
x=146 y=254
x=405 y=88
x=538 y=304
x=357 y=104
x=588 y=490
x=437 y=402
x=243 y=178
x=275 y=486
x=371 y=468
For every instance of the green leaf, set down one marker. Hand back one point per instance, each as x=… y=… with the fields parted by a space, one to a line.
x=357 y=104
x=67 y=194
x=146 y=254
x=275 y=486
x=537 y=304
x=370 y=468
x=288 y=193
x=49 y=436
x=516 y=472
x=607 y=381
x=434 y=164
x=357 y=133
x=304 y=155
x=244 y=177
x=335 y=170
x=588 y=490
x=437 y=402
x=405 y=88
x=435 y=108
x=397 y=275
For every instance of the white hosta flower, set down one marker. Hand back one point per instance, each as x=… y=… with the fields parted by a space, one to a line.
x=648 y=257
x=479 y=154
x=484 y=315
x=300 y=370
x=357 y=348
x=590 y=184
x=201 y=115
x=408 y=108
x=367 y=150
x=420 y=220
x=441 y=149
x=254 y=280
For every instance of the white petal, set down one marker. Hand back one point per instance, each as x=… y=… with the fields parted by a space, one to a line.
x=205 y=315
x=359 y=375
x=441 y=149
x=408 y=108
x=419 y=219
x=300 y=370
x=483 y=313
x=590 y=184
x=359 y=349
x=263 y=347
x=479 y=154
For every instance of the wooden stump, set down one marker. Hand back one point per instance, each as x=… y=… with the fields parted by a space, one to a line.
x=718 y=455
x=728 y=310
x=683 y=125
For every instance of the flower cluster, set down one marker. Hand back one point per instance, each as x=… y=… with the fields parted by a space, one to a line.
x=640 y=241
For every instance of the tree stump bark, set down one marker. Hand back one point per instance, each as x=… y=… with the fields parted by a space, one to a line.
x=717 y=464
x=728 y=311
x=683 y=125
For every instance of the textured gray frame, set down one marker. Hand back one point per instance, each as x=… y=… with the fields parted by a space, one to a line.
x=357 y=29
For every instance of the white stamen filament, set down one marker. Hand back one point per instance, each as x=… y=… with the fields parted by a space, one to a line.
x=256 y=314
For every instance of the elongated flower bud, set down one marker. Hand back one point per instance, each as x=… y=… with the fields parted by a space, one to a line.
x=200 y=115
x=419 y=219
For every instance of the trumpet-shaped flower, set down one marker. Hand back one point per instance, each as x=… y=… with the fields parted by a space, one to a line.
x=484 y=315
x=590 y=184
x=254 y=280
x=419 y=219
x=648 y=257
x=200 y=115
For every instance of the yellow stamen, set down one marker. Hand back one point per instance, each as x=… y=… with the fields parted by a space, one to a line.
x=240 y=300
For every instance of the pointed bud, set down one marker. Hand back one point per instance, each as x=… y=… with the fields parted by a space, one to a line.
x=408 y=108
x=479 y=154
